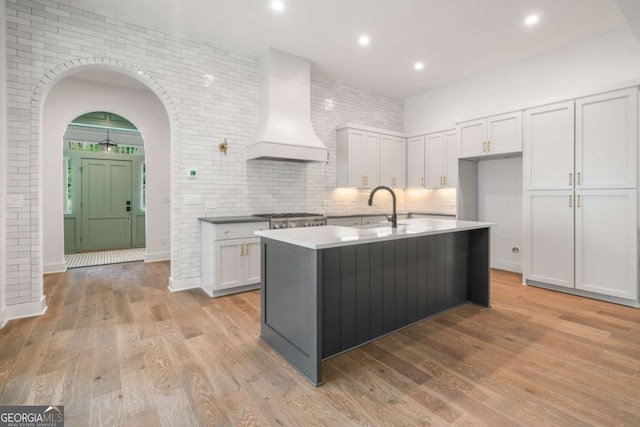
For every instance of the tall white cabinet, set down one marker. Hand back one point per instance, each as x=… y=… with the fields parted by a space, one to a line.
x=581 y=198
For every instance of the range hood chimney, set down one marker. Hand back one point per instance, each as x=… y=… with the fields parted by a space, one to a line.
x=284 y=129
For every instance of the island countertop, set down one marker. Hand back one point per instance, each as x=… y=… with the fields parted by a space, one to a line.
x=332 y=236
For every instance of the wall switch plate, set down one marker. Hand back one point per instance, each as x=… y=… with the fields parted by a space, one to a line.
x=325 y=203
x=15 y=200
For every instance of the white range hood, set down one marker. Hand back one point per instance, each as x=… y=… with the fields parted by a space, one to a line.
x=284 y=129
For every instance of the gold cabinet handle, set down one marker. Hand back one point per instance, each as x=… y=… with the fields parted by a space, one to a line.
x=241 y=249
x=423 y=181
x=570 y=201
x=484 y=146
x=570 y=178
x=246 y=249
x=488 y=145
x=444 y=180
x=578 y=201
x=579 y=178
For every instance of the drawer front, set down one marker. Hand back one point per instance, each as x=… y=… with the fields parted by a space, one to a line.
x=239 y=230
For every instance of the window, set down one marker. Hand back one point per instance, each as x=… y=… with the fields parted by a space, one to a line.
x=143 y=186
x=95 y=147
x=67 y=188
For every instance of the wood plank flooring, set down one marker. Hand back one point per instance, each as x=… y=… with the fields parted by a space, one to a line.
x=117 y=348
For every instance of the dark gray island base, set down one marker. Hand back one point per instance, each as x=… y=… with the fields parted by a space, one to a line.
x=318 y=303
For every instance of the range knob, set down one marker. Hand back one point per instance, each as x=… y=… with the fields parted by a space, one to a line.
x=277 y=225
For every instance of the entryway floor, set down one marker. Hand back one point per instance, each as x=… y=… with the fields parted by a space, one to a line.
x=88 y=259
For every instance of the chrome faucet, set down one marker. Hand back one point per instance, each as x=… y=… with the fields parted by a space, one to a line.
x=394 y=216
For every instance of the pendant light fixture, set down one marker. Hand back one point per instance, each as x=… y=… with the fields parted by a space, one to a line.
x=107 y=145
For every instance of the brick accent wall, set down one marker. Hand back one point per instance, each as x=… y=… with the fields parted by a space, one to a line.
x=210 y=93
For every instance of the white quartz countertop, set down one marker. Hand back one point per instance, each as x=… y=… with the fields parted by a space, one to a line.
x=331 y=236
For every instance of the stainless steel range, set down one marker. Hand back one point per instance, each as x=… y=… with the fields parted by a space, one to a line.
x=293 y=220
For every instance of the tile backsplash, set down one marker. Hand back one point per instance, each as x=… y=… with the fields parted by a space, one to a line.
x=213 y=94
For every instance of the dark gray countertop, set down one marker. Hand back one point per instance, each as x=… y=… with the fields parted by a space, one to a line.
x=232 y=219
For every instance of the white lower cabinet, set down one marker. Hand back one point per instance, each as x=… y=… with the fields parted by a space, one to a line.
x=230 y=257
x=606 y=242
x=549 y=242
x=237 y=263
x=586 y=240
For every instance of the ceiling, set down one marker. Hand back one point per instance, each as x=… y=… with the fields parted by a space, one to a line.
x=455 y=39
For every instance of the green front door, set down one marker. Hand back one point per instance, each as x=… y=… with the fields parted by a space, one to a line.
x=106 y=204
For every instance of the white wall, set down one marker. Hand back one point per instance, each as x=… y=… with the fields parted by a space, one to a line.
x=609 y=58
x=500 y=201
x=3 y=153
x=49 y=38
x=70 y=98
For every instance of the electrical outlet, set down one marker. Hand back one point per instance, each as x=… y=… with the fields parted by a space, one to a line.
x=325 y=203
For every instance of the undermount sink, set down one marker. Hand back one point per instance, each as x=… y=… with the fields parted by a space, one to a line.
x=381 y=224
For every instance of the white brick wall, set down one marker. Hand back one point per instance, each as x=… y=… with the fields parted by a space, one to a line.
x=46 y=37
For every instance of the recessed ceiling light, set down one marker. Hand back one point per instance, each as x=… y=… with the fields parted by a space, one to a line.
x=277 y=5
x=418 y=66
x=532 y=20
x=364 y=40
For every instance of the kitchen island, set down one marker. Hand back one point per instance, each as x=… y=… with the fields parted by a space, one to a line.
x=329 y=289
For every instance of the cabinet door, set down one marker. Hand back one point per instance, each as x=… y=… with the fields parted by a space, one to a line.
x=607 y=140
x=434 y=158
x=252 y=268
x=549 y=147
x=229 y=264
x=355 y=169
x=548 y=237
x=606 y=242
x=393 y=154
x=451 y=154
x=400 y=163
x=472 y=136
x=504 y=133
x=371 y=159
x=415 y=162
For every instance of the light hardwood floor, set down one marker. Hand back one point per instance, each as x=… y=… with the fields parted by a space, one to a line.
x=116 y=348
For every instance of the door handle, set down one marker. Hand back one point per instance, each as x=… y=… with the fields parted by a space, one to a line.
x=579 y=178
x=570 y=178
x=570 y=200
x=578 y=201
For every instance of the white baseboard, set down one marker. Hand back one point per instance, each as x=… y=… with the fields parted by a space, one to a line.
x=176 y=285
x=157 y=256
x=506 y=265
x=27 y=309
x=59 y=267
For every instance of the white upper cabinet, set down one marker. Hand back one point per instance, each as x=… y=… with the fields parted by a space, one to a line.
x=606 y=140
x=451 y=155
x=434 y=160
x=415 y=162
x=491 y=136
x=393 y=158
x=358 y=157
x=549 y=147
x=473 y=138
x=606 y=242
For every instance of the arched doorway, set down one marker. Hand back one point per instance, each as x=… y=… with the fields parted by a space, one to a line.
x=104 y=190
x=105 y=91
